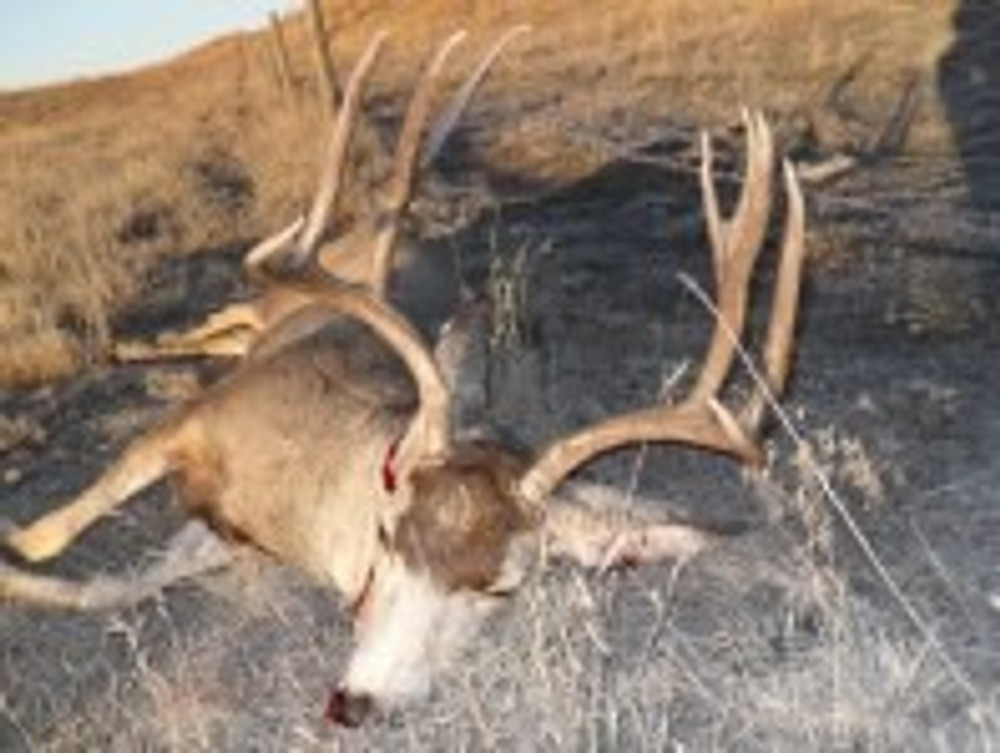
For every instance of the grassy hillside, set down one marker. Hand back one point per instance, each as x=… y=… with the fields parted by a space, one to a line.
x=101 y=178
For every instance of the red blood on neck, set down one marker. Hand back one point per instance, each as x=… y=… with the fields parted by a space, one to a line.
x=388 y=466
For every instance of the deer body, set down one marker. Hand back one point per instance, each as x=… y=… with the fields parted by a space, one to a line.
x=290 y=454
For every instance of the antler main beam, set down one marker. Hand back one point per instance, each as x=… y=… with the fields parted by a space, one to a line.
x=433 y=424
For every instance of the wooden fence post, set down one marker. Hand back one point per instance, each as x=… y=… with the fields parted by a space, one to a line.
x=280 y=59
x=329 y=91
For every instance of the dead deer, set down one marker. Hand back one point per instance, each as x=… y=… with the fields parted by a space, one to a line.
x=334 y=451
x=375 y=250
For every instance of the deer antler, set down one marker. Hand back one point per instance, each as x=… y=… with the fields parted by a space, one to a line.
x=298 y=242
x=445 y=124
x=408 y=160
x=735 y=246
x=701 y=420
x=330 y=180
x=298 y=269
x=405 y=162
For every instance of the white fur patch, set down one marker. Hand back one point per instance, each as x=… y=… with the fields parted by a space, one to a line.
x=408 y=631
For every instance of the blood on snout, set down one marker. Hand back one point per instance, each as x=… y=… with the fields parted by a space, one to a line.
x=347 y=709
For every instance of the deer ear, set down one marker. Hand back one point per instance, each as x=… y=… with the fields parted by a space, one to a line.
x=462 y=355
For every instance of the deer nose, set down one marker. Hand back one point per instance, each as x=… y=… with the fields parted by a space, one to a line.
x=348 y=709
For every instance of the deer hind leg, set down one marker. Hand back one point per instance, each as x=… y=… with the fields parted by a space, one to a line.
x=601 y=533
x=227 y=333
x=145 y=461
x=194 y=550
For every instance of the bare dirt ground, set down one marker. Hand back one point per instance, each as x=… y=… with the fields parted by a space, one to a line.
x=803 y=633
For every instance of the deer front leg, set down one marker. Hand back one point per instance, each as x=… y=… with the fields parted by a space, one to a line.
x=601 y=535
x=145 y=461
x=192 y=551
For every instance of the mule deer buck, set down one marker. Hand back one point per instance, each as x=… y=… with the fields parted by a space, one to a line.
x=376 y=250
x=333 y=451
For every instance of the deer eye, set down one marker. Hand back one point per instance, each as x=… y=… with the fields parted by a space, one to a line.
x=499 y=592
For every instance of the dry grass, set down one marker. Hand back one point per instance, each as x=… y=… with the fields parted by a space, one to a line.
x=776 y=642
x=127 y=171
x=761 y=647
x=100 y=179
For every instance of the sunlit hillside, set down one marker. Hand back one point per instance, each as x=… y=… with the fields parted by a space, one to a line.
x=101 y=178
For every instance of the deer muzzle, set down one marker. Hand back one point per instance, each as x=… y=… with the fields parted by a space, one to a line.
x=349 y=709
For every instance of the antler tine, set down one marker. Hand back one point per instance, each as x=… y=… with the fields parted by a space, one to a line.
x=263 y=252
x=405 y=161
x=749 y=221
x=445 y=124
x=710 y=203
x=329 y=185
x=784 y=310
x=749 y=224
x=419 y=110
x=360 y=302
x=735 y=247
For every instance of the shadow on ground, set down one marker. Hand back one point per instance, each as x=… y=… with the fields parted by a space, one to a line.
x=969 y=82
